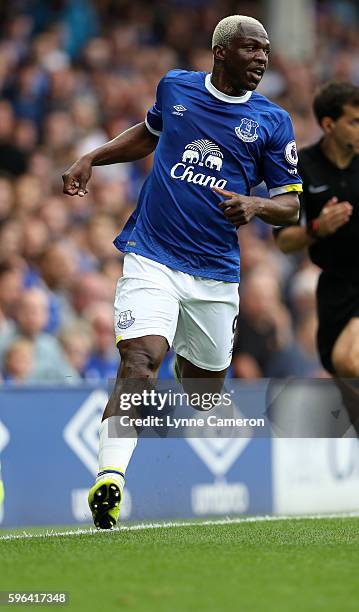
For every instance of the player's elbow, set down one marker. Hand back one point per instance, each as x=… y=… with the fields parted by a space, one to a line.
x=292 y=212
x=295 y=215
x=288 y=208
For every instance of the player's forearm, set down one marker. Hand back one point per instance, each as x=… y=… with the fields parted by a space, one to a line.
x=280 y=210
x=293 y=239
x=135 y=143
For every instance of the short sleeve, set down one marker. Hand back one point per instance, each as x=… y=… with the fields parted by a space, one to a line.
x=153 y=119
x=280 y=160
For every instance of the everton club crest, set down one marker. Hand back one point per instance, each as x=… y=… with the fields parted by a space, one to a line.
x=125 y=319
x=247 y=131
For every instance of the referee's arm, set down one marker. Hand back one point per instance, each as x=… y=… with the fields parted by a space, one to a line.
x=332 y=216
x=293 y=238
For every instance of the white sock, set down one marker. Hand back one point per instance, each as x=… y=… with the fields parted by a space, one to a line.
x=114 y=454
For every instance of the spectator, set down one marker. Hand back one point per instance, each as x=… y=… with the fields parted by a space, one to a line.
x=300 y=358
x=31 y=317
x=10 y=239
x=11 y=277
x=103 y=361
x=91 y=288
x=76 y=341
x=6 y=198
x=18 y=360
x=56 y=273
x=264 y=328
x=12 y=159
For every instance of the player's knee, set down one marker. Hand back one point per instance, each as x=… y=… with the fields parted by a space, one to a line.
x=138 y=360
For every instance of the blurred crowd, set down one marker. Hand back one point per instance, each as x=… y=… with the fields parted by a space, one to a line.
x=74 y=74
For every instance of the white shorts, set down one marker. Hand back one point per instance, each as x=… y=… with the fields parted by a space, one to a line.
x=196 y=315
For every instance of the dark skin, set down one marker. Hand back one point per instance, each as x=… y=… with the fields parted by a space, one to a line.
x=135 y=143
x=141 y=359
x=236 y=69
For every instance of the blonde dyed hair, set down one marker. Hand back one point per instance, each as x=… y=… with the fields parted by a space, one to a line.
x=229 y=27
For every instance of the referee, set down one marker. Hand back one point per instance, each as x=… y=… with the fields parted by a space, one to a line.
x=330 y=207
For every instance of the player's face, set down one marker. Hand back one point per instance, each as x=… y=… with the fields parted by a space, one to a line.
x=345 y=130
x=246 y=59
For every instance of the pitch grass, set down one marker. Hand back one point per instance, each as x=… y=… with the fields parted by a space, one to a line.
x=282 y=566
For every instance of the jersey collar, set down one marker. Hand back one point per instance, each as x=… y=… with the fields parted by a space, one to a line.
x=222 y=96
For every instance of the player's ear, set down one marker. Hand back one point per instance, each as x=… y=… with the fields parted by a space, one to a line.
x=219 y=53
x=327 y=125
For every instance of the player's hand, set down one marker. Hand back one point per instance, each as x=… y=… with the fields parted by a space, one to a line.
x=238 y=209
x=76 y=178
x=333 y=215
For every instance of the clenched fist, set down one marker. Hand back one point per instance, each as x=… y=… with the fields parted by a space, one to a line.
x=76 y=178
x=333 y=215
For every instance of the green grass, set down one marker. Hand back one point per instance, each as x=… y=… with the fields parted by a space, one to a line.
x=281 y=566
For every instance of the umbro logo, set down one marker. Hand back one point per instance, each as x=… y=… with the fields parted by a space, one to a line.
x=179 y=110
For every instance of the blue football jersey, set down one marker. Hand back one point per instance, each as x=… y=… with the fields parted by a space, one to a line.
x=206 y=139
